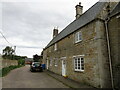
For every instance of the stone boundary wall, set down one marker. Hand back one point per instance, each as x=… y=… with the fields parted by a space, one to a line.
x=7 y=63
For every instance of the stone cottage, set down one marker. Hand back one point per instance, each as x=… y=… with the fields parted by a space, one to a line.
x=87 y=49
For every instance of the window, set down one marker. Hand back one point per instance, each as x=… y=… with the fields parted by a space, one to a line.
x=56 y=62
x=55 y=47
x=50 y=62
x=79 y=64
x=78 y=37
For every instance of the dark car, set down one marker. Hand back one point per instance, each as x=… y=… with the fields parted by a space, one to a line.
x=36 y=66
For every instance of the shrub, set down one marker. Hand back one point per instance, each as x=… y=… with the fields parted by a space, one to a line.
x=21 y=62
x=6 y=70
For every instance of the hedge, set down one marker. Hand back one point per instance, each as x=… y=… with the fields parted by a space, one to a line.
x=6 y=70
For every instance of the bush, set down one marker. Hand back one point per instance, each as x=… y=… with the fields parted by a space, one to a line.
x=21 y=62
x=6 y=70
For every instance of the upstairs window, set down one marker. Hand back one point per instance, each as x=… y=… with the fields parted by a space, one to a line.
x=56 y=62
x=55 y=47
x=79 y=64
x=50 y=62
x=78 y=37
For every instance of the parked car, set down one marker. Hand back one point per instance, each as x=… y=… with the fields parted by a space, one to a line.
x=36 y=66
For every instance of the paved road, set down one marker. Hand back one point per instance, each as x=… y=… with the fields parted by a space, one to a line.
x=23 y=78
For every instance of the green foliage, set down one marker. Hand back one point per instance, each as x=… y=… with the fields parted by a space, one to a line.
x=21 y=62
x=8 y=51
x=13 y=57
x=19 y=57
x=7 y=57
x=36 y=58
x=8 y=54
x=6 y=70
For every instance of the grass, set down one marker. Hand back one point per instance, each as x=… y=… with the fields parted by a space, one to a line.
x=6 y=70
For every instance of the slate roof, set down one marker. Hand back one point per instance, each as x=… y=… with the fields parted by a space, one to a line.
x=116 y=10
x=85 y=18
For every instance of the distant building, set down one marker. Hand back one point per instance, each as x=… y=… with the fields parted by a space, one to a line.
x=87 y=49
x=28 y=60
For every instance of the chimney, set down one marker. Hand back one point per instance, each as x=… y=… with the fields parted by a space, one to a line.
x=79 y=10
x=55 y=32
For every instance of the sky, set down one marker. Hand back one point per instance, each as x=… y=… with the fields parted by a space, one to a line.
x=29 y=24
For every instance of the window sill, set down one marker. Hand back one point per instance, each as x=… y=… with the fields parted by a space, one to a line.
x=78 y=41
x=56 y=65
x=79 y=70
x=55 y=50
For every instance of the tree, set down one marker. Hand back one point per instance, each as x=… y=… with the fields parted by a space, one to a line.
x=36 y=58
x=8 y=52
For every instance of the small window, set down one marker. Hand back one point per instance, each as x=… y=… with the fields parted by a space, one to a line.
x=55 y=47
x=50 y=62
x=56 y=62
x=79 y=64
x=78 y=37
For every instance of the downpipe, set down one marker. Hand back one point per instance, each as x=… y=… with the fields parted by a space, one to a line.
x=109 y=51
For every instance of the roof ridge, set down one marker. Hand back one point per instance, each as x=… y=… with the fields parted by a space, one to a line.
x=85 y=18
x=78 y=18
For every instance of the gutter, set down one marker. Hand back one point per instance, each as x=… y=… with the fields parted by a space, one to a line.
x=109 y=51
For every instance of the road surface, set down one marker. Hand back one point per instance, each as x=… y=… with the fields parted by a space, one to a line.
x=23 y=78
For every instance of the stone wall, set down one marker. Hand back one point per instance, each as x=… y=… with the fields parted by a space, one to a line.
x=114 y=31
x=92 y=47
x=6 y=63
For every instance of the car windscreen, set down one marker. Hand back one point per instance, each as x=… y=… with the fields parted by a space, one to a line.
x=36 y=64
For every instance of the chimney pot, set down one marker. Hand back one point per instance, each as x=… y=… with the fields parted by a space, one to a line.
x=79 y=10
x=80 y=3
x=55 y=32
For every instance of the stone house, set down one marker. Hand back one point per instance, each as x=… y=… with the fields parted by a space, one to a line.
x=87 y=49
x=114 y=34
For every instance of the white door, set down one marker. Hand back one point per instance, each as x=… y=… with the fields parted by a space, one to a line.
x=63 y=68
x=47 y=64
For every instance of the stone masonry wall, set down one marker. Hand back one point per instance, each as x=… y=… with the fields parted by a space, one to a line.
x=114 y=30
x=6 y=63
x=93 y=47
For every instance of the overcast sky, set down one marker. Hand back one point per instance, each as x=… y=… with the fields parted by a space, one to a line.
x=28 y=25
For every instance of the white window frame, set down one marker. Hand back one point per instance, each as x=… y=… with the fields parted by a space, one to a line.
x=55 y=46
x=78 y=64
x=51 y=61
x=56 y=62
x=78 y=37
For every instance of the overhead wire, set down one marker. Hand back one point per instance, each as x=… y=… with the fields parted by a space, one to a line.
x=18 y=45
x=5 y=38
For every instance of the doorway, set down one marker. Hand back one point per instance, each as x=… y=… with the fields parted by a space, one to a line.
x=47 y=64
x=64 y=67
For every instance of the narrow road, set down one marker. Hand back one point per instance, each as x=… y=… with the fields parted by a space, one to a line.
x=23 y=78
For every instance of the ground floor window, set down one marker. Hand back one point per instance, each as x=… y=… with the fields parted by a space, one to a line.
x=79 y=64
